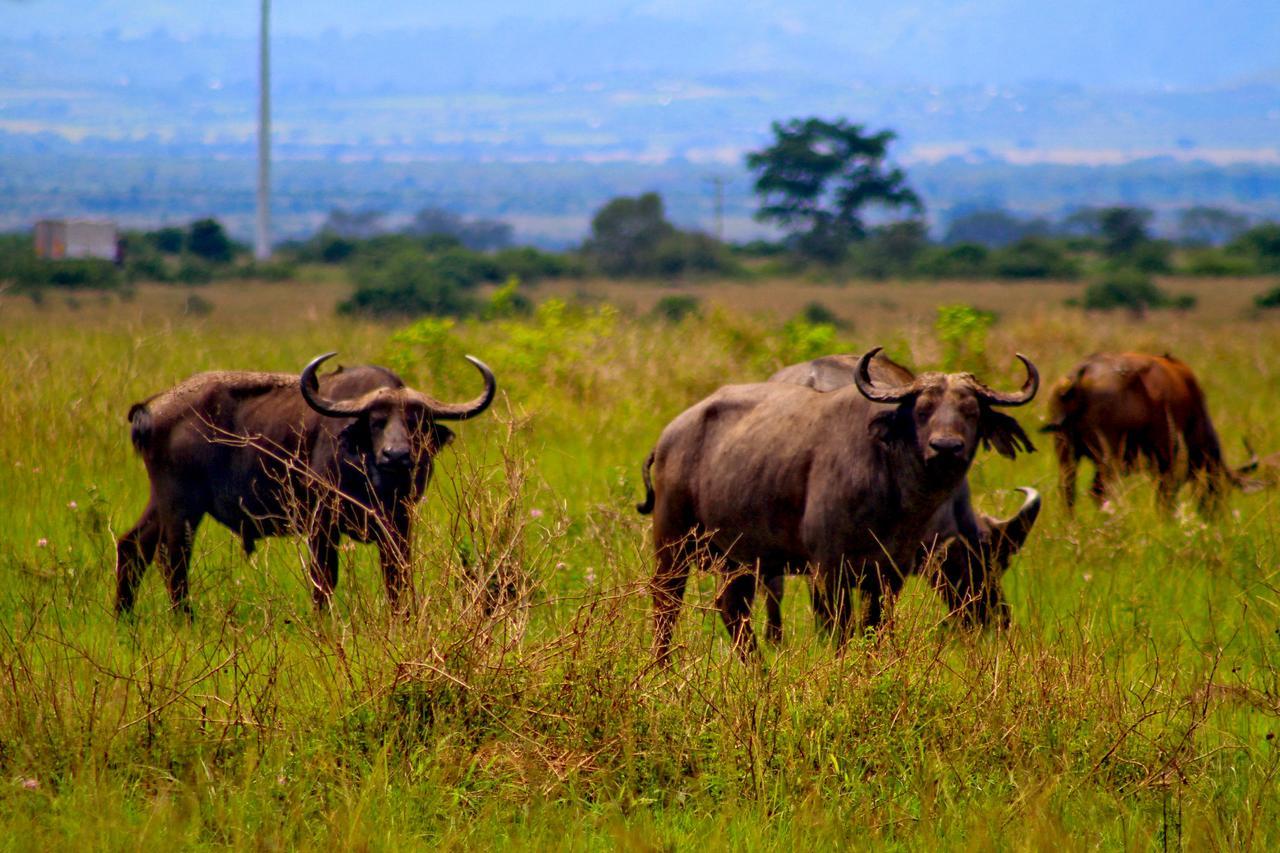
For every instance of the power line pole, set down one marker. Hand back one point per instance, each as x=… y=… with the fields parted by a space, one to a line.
x=718 y=182
x=262 y=238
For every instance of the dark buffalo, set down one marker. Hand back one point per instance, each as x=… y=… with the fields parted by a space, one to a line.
x=969 y=571
x=1125 y=411
x=843 y=484
x=268 y=454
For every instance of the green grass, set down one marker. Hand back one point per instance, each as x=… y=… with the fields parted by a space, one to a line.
x=1133 y=704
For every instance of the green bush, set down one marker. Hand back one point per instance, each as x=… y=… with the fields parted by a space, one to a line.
x=196 y=305
x=274 y=270
x=1215 y=262
x=962 y=329
x=1270 y=299
x=1261 y=245
x=146 y=267
x=193 y=271
x=1033 y=257
x=206 y=239
x=963 y=260
x=677 y=307
x=169 y=241
x=410 y=283
x=532 y=264
x=815 y=312
x=1132 y=290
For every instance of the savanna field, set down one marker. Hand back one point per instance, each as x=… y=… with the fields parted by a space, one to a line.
x=1134 y=703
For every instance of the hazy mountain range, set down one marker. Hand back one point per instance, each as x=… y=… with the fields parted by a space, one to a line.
x=971 y=83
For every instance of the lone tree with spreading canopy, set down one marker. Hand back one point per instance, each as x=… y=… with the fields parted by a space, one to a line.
x=817 y=178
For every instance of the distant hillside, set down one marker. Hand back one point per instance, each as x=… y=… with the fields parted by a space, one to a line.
x=551 y=203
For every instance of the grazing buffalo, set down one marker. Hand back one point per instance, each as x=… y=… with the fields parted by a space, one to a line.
x=1131 y=410
x=268 y=454
x=842 y=484
x=969 y=573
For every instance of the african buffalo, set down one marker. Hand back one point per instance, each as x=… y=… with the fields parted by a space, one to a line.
x=843 y=484
x=268 y=454
x=1131 y=410
x=969 y=572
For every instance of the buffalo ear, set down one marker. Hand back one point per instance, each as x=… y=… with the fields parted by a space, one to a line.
x=440 y=437
x=354 y=437
x=889 y=426
x=1003 y=434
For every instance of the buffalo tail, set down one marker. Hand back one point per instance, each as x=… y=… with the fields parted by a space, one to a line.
x=140 y=426
x=646 y=507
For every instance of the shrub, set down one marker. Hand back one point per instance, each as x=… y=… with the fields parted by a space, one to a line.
x=963 y=332
x=1213 y=262
x=817 y=313
x=963 y=260
x=409 y=283
x=274 y=270
x=146 y=267
x=532 y=264
x=196 y=305
x=193 y=271
x=1270 y=299
x=1134 y=291
x=206 y=239
x=802 y=340
x=1261 y=245
x=1033 y=257
x=508 y=301
x=677 y=307
x=166 y=240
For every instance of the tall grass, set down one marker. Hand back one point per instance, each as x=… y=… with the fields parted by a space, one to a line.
x=1134 y=702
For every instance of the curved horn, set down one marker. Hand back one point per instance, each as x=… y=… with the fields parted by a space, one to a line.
x=462 y=411
x=310 y=388
x=1017 y=398
x=862 y=378
x=1011 y=534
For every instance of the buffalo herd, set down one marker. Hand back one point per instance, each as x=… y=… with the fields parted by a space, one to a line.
x=850 y=470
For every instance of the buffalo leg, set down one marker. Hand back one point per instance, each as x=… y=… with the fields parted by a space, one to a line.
x=393 y=554
x=1067 y=462
x=774 y=588
x=176 y=539
x=734 y=601
x=832 y=593
x=134 y=552
x=324 y=568
x=667 y=588
x=880 y=597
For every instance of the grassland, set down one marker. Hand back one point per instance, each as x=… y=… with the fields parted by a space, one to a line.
x=1133 y=705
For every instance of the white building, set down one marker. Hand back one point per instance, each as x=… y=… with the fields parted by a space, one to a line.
x=76 y=238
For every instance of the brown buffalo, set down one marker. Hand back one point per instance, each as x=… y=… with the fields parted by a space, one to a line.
x=843 y=484
x=1125 y=411
x=969 y=571
x=269 y=454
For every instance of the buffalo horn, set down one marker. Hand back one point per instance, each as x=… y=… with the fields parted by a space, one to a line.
x=1020 y=397
x=862 y=378
x=1011 y=534
x=462 y=411
x=310 y=387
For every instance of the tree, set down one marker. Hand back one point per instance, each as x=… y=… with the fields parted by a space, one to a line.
x=476 y=234
x=353 y=224
x=208 y=240
x=818 y=177
x=992 y=227
x=1123 y=229
x=1210 y=226
x=626 y=233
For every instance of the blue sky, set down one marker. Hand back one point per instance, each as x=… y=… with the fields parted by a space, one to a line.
x=1144 y=44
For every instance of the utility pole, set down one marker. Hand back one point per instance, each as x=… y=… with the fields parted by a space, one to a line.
x=262 y=237
x=718 y=182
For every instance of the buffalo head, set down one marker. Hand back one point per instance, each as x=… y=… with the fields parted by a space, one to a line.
x=394 y=428
x=946 y=415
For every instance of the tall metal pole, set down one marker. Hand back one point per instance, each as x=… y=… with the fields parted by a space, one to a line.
x=262 y=237
x=718 y=182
